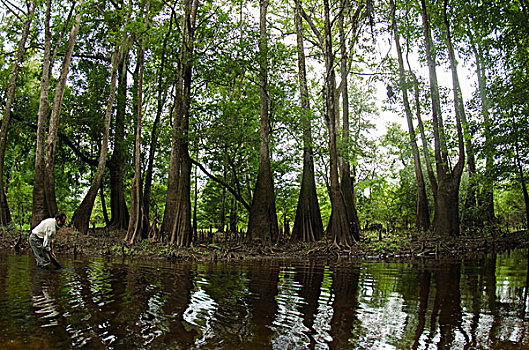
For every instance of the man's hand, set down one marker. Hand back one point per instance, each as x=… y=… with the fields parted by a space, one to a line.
x=52 y=254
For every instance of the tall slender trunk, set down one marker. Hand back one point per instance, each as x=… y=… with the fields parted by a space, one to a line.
x=469 y=219
x=118 y=206
x=44 y=202
x=56 y=111
x=103 y=204
x=425 y=145
x=177 y=216
x=195 y=206
x=40 y=208
x=136 y=222
x=519 y=168
x=347 y=181
x=486 y=195
x=224 y=192
x=233 y=217
x=422 y=218
x=81 y=217
x=262 y=225
x=162 y=96
x=308 y=226
x=338 y=227
x=174 y=165
x=446 y=217
x=174 y=160
x=248 y=179
x=5 y=215
x=525 y=194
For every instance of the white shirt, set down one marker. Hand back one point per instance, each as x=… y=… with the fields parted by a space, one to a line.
x=46 y=230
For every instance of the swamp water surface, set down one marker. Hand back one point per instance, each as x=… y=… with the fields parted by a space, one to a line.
x=97 y=303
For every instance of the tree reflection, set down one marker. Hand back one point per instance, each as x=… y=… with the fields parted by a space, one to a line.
x=448 y=304
x=178 y=288
x=481 y=303
x=310 y=278
x=424 y=278
x=262 y=285
x=227 y=320
x=345 y=305
x=445 y=328
x=526 y=290
x=505 y=285
x=472 y=288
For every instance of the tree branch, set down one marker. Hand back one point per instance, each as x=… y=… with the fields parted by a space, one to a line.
x=313 y=27
x=66 y=140
x=221 y=182
x=7 y=4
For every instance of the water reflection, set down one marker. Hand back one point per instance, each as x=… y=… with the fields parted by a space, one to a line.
x=263 y=281
x=288 y=325
x=115 y=304
x=42 y=299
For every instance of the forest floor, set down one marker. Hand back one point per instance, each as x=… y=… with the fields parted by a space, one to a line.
x=388 y=247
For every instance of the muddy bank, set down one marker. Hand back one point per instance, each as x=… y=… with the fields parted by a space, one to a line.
x=104 y=243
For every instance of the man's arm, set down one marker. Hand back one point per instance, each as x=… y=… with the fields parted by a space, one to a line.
x=47 y=241
x=52 y=252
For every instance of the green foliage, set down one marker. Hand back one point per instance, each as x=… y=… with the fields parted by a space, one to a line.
x=510 y=206
x=224 y=114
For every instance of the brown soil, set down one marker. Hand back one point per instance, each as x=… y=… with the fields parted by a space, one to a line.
x=104 y=243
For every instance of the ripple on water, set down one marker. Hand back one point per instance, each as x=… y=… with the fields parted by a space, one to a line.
x=46 y=308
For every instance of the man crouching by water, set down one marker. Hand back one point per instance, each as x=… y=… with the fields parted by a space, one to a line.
x=41 y=239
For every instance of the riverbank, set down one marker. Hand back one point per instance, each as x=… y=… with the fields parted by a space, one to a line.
x=105 y=243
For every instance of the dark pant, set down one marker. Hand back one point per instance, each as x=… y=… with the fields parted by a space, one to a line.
x=41 y=254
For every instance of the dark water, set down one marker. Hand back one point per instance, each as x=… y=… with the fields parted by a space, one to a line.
x=98 y=303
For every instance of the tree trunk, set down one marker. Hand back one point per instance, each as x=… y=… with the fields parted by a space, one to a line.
x=136 y=222
x=422 y=218
x=519 y=168
x=174 y=169
x=118 y=205
x=224 y=192
x=40 y=210
x=182 y=232
x=103 y=204
x=347 y=181
x=55 y=114
x=233 y=217
x=81 y=217
x=262 y=225
x=525 y=196
x=425 y=145
x=195 y=207
x=439 y=147
x=5 y=215
x=338 y=227
x=308 y=226
x=469 y=217
x=177 y=216
x=248 y=180
x=162 y=95
x=446 y=217
x=486 y=195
